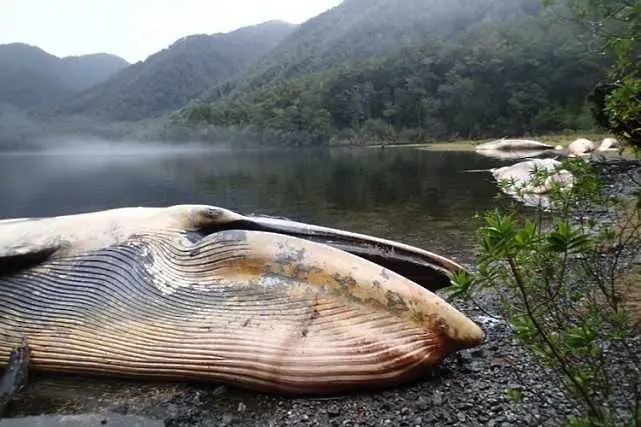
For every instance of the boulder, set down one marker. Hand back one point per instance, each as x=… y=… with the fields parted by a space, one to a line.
x=608 y=144
x=580 y=147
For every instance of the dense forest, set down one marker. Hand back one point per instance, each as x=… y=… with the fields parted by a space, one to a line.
x=516 y=73
x=30 y=76
x=363 y=29
x=172 y=77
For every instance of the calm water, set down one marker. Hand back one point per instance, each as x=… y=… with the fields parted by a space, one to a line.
x=420 y=197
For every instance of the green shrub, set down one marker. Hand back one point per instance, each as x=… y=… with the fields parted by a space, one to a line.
x=559 y=275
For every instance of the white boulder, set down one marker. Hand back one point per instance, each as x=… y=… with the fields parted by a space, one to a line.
x=580 y=147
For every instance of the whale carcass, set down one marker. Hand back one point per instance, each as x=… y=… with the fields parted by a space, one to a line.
x=204 y=293
x=513 y=145
x=520 y=180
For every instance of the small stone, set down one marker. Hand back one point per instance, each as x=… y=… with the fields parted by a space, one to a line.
x=437 y=399
x=242 y=407
x=477 y=353
x=219 y=390
x=333 y=411
x=465 y=356
x=227 y=419
x=422 y=404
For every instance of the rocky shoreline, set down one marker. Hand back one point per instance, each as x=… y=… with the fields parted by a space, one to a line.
x=470 y=388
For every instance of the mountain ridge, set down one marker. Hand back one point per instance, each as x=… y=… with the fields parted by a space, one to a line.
x=29 y=75
x=170 y=78
x=361 y=29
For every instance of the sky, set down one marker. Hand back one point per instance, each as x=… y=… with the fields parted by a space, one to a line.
x=135 y=29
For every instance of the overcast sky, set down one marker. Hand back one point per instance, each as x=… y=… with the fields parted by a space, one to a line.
x=134 y=29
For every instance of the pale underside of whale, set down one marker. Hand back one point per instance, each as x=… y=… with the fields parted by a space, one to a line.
x=519 y=180
x=513 y=144
x=512 y=154
x=203 y=293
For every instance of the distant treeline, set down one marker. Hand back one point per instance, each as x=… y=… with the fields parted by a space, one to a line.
x=524 y=77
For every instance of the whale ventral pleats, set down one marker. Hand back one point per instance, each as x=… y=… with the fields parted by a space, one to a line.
x=201 y=293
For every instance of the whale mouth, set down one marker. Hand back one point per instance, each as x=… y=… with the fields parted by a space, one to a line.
x=428 y=269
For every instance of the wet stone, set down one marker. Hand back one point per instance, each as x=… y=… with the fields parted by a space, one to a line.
x=111 y=420
x=437 y=400
x=333 y=411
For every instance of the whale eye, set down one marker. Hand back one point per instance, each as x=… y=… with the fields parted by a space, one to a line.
x=214 y=213
x=211 y=215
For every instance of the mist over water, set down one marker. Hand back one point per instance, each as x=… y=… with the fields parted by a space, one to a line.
x=419 y=197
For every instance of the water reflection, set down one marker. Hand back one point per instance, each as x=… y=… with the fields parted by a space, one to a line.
x=421 y=197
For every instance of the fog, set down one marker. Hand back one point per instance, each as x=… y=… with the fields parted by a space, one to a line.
x=76 y=135
x=89 y=146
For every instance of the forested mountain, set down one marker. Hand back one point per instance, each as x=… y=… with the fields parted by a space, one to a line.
x=31 y=76
x=172 y=77
x=81 y=72
x=361 y=29
x=505 y=68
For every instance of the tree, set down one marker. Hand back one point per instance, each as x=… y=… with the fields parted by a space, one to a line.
x=617 y=23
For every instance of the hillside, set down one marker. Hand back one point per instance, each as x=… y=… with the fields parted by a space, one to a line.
x=172 y=77
x=361 y=29
x=82 y=72
x=510 y=72
x=30 y=76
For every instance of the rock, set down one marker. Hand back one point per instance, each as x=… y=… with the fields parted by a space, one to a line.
x=227 y=419
x=608 y=144
x=333 y=411
x=437 y=399
x=422 y=403
x=580 y=147
x=110 y=420
x=477 y=353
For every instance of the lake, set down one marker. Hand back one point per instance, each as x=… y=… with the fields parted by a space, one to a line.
x=420 y=197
